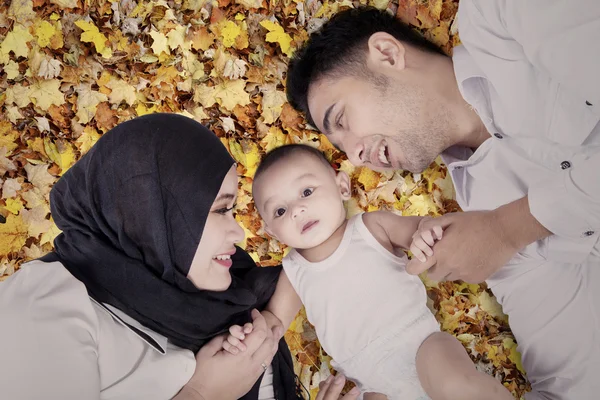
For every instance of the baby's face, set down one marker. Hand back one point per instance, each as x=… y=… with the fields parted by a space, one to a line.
x=301 y=200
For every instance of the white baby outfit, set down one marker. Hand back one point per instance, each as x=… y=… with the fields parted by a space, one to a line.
x=369 y=314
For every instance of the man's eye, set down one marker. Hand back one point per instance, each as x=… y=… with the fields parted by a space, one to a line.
x=307 y=192
x=279 y=212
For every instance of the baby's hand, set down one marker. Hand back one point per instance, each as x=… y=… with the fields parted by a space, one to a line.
x=235 y=341
x=423 y=241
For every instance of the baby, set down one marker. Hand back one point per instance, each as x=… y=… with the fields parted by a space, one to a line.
x=370 y=315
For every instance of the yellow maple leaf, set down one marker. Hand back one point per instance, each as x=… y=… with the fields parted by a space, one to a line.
x=246 y=153
x=92 y=34
x=62 y=154
x=232 y=93
x=369 y=178
x=88 y=138
x=514 y=355
x=22 y=11
x=46 y=93
x=51 y=234
x=491 y=306
x=13 y=234
x=8 y=136
x=248 y=4
x=274 y=138
x=18 y=94
x=229 y=32
x=277 y=35
x=142 y=109
x=120 y=91
x=272 y=104
x=43 y=31
x=15 y=41
x=176 y=38
x=11 y=69
x=421 y=204
x=160 y=43
x=13 y=205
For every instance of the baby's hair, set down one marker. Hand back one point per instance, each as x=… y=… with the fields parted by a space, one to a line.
x=284 y=152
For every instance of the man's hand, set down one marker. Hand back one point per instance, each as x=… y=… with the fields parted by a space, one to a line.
x=478 y=243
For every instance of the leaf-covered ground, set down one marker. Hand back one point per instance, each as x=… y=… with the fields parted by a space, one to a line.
x=72 y=69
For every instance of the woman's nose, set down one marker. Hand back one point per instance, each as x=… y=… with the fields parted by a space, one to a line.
x=237 y=232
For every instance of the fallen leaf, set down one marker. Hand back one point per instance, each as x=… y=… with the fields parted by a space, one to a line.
x=91 y=34
x=13 y=234
x=277 y=35
x=46 y=93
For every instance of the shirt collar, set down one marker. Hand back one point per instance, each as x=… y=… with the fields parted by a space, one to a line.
x=155 y=340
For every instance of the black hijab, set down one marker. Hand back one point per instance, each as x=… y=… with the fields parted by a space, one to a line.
x=132 y=212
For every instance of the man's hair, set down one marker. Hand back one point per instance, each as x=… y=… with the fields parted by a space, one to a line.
x=285 y=152
x=342 y=43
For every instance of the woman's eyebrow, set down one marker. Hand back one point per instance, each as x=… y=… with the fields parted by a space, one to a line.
x=225 y=196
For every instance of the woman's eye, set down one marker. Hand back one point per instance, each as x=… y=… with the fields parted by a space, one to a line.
x=307 y=192
x=225 y=210
x=279 y=212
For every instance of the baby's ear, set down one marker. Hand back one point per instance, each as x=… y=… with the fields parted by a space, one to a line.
x=343 y=181
x=269 y=231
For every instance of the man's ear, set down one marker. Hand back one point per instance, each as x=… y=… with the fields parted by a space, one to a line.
x=386 y=51
x=343 y=181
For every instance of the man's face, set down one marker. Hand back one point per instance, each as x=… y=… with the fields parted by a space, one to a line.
x=395 y=124
x=301 y=200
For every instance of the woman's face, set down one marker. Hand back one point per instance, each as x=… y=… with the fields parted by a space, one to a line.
x=210 y=266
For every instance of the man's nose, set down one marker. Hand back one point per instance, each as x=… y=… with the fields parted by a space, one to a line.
x=356 y=154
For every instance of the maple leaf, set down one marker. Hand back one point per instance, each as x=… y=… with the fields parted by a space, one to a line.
x=12 y=70
x=51 y=234
x=32 y=252
x=46 y=93
x=229 y=32
x=5 y=163
x=248 y=4
x=88 y=138
x=13 y=114
x=277 y=35
x=35 y=197
x=13 y=234
x=272 y=103
x=274 y=138
x=62 y=154
x=87 y=102
x=44 y=31
x=92 y=34
x=421 y=204
x=231 y=93
x=40 y=178
x=246 y=153
x=160 y=43
x=491 y=306
x=43 y=124
x=176 y=38
x=15 y=41
x=369 y=178
x=10 y=188
x=36 y=221
x=120 y=91
x=49 y=68
x=65 y=3
x=13 y=205
x=22 y=11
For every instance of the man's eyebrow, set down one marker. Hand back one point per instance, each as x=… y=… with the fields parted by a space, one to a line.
x=326 y=122
x=225 y=196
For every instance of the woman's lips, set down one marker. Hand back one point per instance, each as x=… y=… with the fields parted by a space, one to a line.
x=309 y=226
x=226 y=263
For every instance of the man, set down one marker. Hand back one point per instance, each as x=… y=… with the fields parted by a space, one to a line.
x=514 y=114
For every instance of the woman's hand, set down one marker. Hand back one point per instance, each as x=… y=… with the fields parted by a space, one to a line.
x=222 y=376
x=331 y=389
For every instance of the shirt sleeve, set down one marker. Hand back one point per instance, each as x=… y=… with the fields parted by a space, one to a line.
x=559 y=38
x=48 y=336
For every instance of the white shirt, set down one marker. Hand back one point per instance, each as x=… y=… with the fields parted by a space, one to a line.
x=359 y=294
x=58 y=343
x=529 y=68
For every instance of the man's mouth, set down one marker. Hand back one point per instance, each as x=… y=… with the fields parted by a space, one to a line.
x=383 y=155
x=309 y=226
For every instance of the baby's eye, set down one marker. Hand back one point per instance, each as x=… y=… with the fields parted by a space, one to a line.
x=307 y=192
x=279 y=212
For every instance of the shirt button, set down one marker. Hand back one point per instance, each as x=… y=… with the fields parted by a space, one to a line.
x=565 y=165
x=588 y=103
x=588 y=233
x=458 y=167
x=499 y=136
